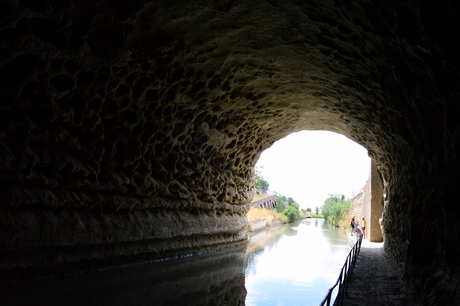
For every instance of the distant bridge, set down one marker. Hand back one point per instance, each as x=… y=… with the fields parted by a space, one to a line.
x=267 y=203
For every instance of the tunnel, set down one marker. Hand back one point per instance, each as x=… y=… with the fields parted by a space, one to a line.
x=130 y=129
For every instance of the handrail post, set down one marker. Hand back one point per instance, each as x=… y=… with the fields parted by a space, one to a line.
x=345 y=274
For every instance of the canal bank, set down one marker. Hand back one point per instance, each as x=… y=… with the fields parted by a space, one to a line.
x=258 y=224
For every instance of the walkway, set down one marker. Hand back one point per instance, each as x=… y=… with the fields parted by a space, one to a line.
x=375 y=280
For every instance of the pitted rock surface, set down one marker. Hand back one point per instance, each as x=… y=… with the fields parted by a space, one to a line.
x=130 y=129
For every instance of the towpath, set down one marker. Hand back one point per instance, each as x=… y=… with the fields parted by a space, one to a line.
x=375 y=280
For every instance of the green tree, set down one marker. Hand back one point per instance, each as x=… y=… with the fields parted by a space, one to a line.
x=292 y=213
x=334 y=208
x=280 y=205
x=317 y=209
x=336 y=213
x=259 y=180
x=283 y=198
x=309 y=210
x=287 y=206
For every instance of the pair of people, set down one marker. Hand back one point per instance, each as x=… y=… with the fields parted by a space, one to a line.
x=363 y=226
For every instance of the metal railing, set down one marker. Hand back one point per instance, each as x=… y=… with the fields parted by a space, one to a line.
x=345 y=273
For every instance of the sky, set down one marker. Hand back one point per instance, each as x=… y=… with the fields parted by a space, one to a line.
x=309 y=165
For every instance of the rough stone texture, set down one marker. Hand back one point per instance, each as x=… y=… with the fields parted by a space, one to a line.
x=130 y=129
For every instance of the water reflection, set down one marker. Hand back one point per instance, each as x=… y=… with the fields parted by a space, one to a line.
x=293 y=264
x=211 y=279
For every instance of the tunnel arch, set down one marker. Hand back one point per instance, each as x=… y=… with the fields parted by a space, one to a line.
x=130 y=132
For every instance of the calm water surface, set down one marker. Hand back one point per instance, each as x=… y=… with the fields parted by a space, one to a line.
x=293 y=264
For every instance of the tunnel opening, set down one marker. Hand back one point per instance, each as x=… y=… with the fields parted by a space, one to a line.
x=302 y=172
x=317 y=163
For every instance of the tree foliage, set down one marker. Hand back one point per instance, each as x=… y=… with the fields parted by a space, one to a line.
x=259 y=180
x=288 y=207
x=292 y=213
x=334 y=208
x=279 y=205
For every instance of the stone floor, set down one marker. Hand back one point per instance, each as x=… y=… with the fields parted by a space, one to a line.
x=375 y=280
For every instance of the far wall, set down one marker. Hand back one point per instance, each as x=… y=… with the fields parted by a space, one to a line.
x=373 y=205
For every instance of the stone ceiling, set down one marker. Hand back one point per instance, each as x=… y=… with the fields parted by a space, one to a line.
x=133 y=127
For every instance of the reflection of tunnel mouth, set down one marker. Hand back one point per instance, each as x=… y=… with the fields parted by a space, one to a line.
x=172 y=109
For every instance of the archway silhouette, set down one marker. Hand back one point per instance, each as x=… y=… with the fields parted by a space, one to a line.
x=130 y=132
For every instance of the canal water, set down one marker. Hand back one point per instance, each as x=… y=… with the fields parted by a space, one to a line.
x=293 y=264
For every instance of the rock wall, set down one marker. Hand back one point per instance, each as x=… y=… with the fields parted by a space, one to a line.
x=373 y=205
x=129 y=130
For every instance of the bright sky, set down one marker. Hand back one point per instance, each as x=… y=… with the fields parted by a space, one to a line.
x=310 y=165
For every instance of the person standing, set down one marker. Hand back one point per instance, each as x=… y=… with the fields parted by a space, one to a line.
x=363 y=227
x=352 y=223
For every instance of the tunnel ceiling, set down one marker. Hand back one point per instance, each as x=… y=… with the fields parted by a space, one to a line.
x=134 y=126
